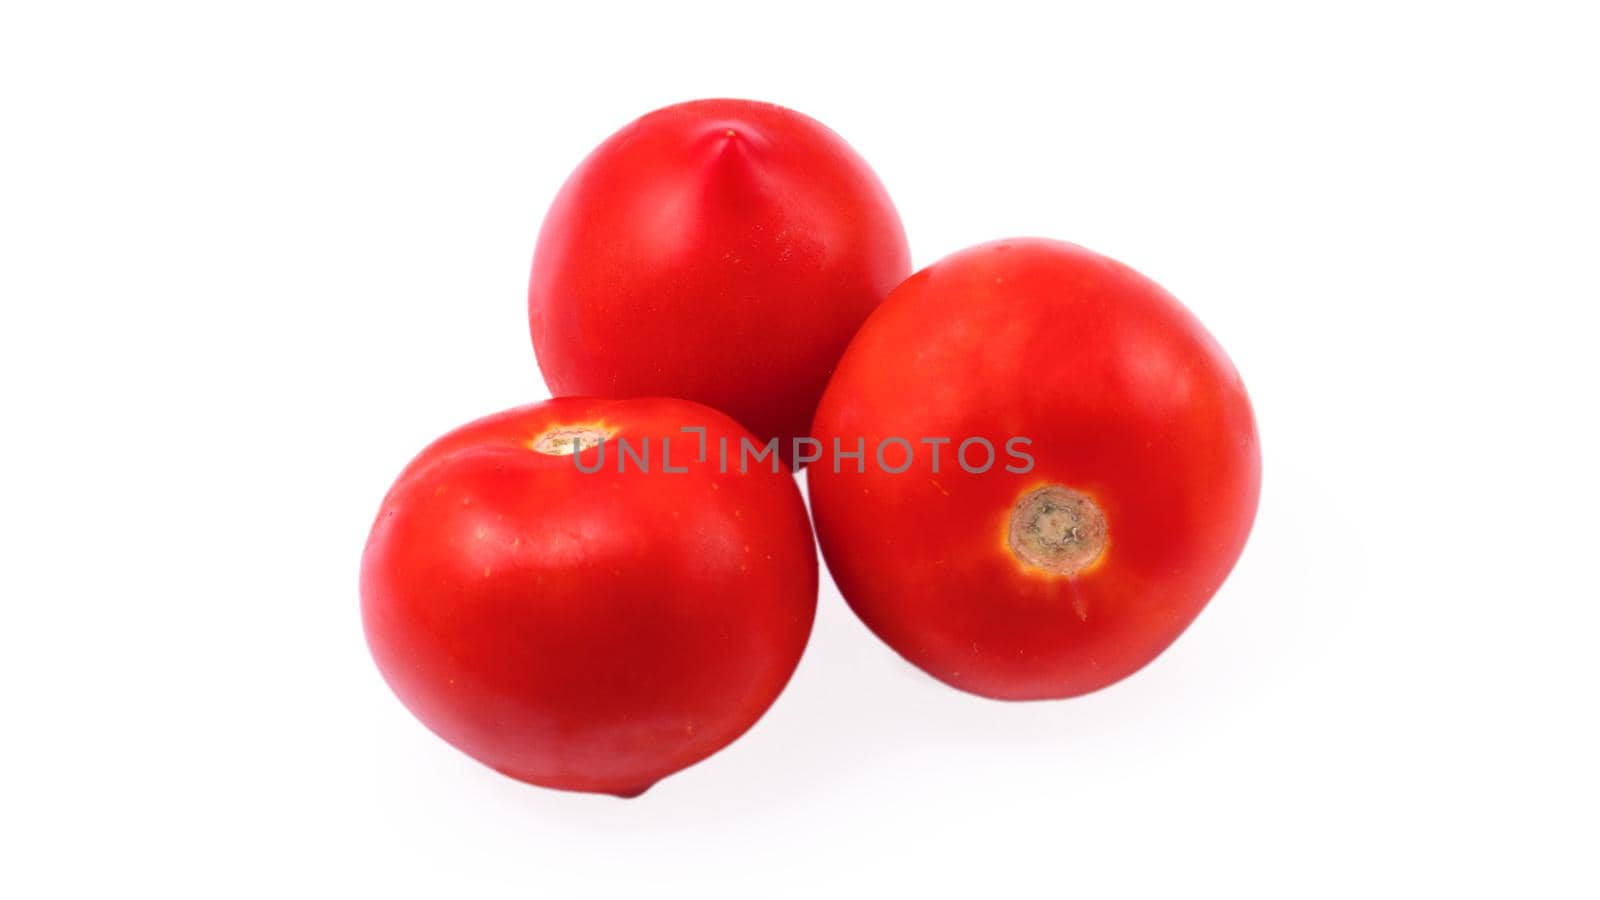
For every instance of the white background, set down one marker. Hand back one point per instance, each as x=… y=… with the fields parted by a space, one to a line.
x=254 y=256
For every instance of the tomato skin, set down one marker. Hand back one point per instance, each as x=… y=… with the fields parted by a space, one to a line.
x=1125 y=398
x=588 y=631
x=723 y=251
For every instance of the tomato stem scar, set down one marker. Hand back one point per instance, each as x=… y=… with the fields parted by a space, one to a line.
x=565 y=440
x=1057 y=529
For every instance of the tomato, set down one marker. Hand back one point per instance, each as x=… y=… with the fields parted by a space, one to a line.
x=1121 y=482
x=589 y=630
x=723 y=251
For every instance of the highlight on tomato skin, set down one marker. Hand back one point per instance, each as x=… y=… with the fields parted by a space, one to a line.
x=722 y=251
x=1065 y=573
x=582 y=620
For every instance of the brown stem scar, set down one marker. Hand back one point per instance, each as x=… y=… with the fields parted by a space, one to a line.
x=1057 y=529
x=565 y=440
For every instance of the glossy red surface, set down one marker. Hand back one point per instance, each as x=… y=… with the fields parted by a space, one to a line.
x=1125 y=398
x=723 y=251
x=588 y=631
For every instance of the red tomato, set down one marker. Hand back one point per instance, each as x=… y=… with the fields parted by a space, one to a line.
x=1122 y=485
x=723 y=251
x=591 y=631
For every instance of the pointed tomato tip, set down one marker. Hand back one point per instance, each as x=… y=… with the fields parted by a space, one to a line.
x=630 y=793
x=732 y=139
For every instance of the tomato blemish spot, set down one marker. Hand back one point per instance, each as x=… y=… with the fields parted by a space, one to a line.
x=1057 y=529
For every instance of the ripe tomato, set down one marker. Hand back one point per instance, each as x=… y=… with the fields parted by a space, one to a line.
x=723 y=251
x=592 y=631
x=1122 y=498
